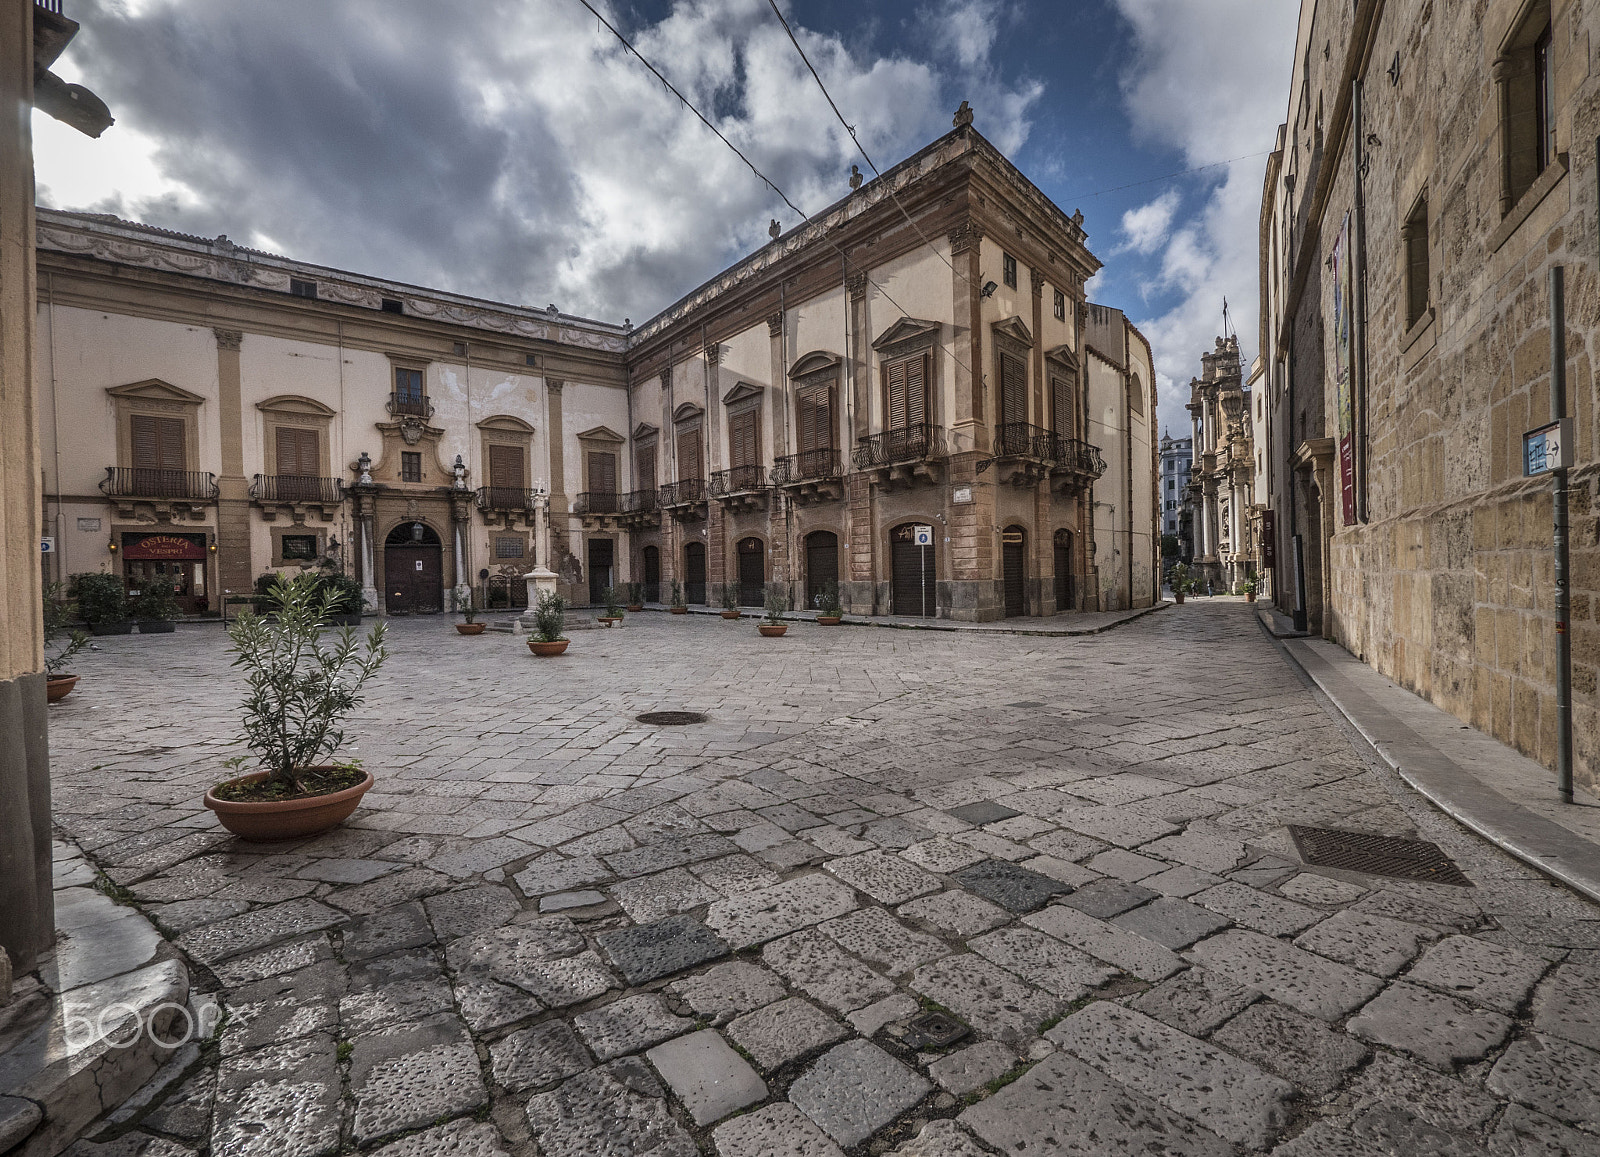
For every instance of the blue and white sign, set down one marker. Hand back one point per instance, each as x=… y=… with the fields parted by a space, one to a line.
x=922 y=535
x=1547 y=448
x=47 y=546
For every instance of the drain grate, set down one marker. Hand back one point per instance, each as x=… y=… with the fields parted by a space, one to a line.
x=1377 y=855
x=934 y=1030
x=670 y=718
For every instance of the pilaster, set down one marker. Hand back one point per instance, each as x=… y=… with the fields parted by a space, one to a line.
x=235 y=569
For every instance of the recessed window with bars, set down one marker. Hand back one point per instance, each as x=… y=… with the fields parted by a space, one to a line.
x=1415 y=235
x=509 y=546
x=1526 y=74
x=906 y=390
x=410 y=466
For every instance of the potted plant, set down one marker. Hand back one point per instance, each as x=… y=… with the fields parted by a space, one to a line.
x=155 y=610
x=58 y=651
x=773 y=625
x=1178 y=578
x=613 y=598
x=1249 y=588
x=549 y=616
x=730 y=601
x=298 y=692
x=103 y=603
x=462 y=597
x=636 y=596
x=348 y=601
x=679 y=607
x=829 y=609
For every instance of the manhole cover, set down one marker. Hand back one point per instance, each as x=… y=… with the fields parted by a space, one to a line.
x=1377 y=855
x=934 y=1030
x=670 y=718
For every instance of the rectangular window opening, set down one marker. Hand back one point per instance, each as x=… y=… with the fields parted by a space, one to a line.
x=299 y=288
x=1008 y=269
x=410 y=466
x=1415 y=233
x=1061 y=306
x=299 y=546
x=392 y=305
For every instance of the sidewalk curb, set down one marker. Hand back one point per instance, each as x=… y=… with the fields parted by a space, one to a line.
x=1539 y=842
x=941 y=624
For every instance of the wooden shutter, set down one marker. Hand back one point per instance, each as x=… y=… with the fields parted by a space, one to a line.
x=917 y=390
x=1013 y=389
x=157 y=442
x=505 y=467
x=644 y=467
x=1061 y=406
x=602 y=472
x=815 y=419
x=689 y=455
x=297 y=452
x=743 y=439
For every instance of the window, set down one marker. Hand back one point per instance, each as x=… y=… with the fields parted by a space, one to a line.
x=906 y=388
x=407 y=385
x=298 y=547
x=602 y=472
x=392 y=305
x=410 y=466
x=814 y=418
x=644 y=465
x=744 y=439
x=1414 y=233
x=297 y=452
x=1008 y=269
x=1013 y=389
x=298 y=288
x=157 y=443
x=1061 y=408
x=505 y=467
x=690 y=463
x=509 y=546
x=1527 y=105
x=1061 y=306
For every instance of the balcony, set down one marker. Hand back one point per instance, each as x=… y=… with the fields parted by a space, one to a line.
x=741 y=488
x=1074 y=464
x=810 y=476
x=295 y=495
x=685 y=499
x=907 y=455
x=640 y=508
x=173 y=493
x=1024 y=452
x=597 y=507
x=503 y=505
x=410 y=405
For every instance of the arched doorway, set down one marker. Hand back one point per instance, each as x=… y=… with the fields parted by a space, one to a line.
x=1065 y=593
x=1014 y=563
x=694 y=573
x=822 y=564
x=913 y=560
x=652 y=574
x=413 y=570
x=752 y=572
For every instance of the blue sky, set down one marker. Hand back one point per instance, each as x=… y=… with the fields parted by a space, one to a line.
x=519 y=154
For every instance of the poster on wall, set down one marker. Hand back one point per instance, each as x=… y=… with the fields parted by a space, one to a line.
x=1342 y=292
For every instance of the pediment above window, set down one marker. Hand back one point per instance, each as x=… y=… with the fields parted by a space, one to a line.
x=296 y=404
x=687 y=412
x=644 y=431
x=601 y=434
x=155 y=390
x=743 y=392
x=1063 y=355
x=1015 y=329
x=815 y=362
x=907 y=332
x=505 y=424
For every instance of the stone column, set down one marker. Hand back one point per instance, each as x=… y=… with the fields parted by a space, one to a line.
x=365 y=499
x=235 y=570
x=1036 y=287
x=556 y=504
x=967 y=378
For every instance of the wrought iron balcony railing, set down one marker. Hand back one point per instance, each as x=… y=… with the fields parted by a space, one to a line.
x=1023 y=440
x=598 y=502
x=144 y=482
x=416 y=405
x=807 y=466
x=641 y=502
x=506 y=498
x=1076 y=455
x=739 y=480
x=906 y=444
x=685 y=492
x=297 y=488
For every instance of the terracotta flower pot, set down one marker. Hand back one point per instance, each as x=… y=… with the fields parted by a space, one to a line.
x=546 y=650
x=1249 y=596
x=59 y=687
x=828 y=620
x=609 y=620
x=774 y=630
x=1178 y=598
x=680 y=610
x=471 y=628
x=730 y=614
x=286 y=819
x=635 y=607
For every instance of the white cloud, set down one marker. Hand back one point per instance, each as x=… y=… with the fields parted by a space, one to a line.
x=540 y=163
x=1147 y=226
x=1212 y=80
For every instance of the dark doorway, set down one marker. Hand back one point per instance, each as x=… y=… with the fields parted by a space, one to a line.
x=1065 y=600
x=914 y=587
x=602 y=559
x=1014 y=558
x=413 y=570
x=694 y=573
x=822 y=564
x=652 y=574
x=752 y=572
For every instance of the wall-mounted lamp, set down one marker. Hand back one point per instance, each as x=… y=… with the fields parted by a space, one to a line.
x=988 y=289
x=112 y=546
x=212 y=547
x=416 y=532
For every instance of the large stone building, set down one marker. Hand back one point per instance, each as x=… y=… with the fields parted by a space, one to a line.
x=1222 y=484
x=1437 y=161
x=909 y=395
x=1177 y=462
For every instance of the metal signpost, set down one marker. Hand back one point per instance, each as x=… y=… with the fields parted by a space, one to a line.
x=1548 y=450
x=922 y=537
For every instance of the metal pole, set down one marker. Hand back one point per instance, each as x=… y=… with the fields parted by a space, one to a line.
x=1558 y=410
x=1300 y=617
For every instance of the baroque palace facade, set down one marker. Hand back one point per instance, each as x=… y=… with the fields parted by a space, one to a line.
x=910 y=396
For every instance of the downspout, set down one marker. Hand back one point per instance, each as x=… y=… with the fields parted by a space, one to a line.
x=1360 y=281
x=1127 y=451
x=55 y=427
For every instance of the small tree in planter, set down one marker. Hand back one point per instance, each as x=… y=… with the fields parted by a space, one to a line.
x=103 y=603
x=829 y=609
x=613 y=598
x=461 y=598
x=298 y=692
x=156 y=609
x=636 y=596
x=679 y=607
x=1248 y=588
x=772 y=625
x=1178 y=578
x=730 y=601
x=348 y=601
x=549 y=617
x=60 y=645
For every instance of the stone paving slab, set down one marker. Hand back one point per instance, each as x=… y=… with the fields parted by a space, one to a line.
x=613 y=1111
x=707 y=1076
x=411 y=1076
x=1318 y=987
x=535 y=1057
x=1374 y=944
x=755 y=917
x=1433 y=1028
x=1479 y=972
x=784 y=1030
x=1296 y=1047
x=986 y=996
x=1014 y=888
x=646 y=952
x=855 y=1089
x=1195 y=1001
x=1129 y=951
x=817 y=966
x=779 y=1130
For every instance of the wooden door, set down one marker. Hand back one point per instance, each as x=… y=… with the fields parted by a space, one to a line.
x=652 y=574
x=602 y=482
x=1062 y=410
x=744 y=439
x=822 y=564
x=298 y=462
x=159 y=458
x=1063 y=566
x=694 y=573
x=644 y=467
x=752 y=572
x=1013 y=389
x=689 y=463
x=907 y=388
x=602 y=557
x=912 y=583
x=413 y=579
x=1013 y=554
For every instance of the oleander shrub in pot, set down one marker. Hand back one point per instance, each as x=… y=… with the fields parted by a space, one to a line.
x=103 y=603
x=60 y=642
x=549 y=617
x=156 y=608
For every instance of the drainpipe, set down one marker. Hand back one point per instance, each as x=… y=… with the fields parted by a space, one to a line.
x=1360 y=283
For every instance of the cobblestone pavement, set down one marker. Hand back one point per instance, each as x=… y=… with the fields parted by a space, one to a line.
x=552 y=929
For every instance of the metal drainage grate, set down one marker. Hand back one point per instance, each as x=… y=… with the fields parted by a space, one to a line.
x=934 y=1030
x=670 y=718
x=1377 y=855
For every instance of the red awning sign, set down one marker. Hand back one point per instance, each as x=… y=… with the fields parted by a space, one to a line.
x=163 y=546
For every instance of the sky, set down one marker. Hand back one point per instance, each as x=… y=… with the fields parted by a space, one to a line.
x=512 y=149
